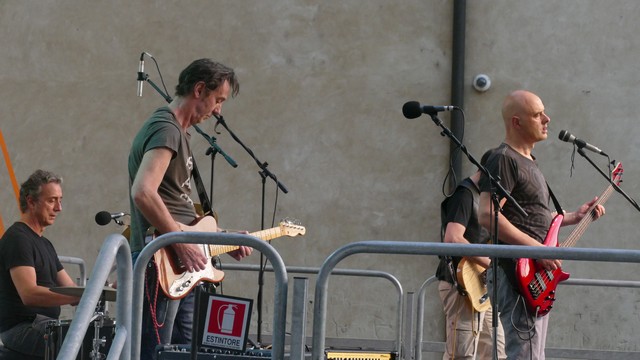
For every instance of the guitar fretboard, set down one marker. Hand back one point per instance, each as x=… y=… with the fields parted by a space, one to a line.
x=581 y=227
x=266 y=235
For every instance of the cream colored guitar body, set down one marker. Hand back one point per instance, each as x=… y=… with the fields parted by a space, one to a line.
x=472 y=278
x=176 y=282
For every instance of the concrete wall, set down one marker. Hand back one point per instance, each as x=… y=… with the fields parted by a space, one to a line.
x=322 y=85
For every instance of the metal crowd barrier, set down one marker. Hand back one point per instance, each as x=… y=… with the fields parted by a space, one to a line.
x=82 y=279
x=115 y=248
x=126 y=343
x=441 y=249
x=297 y=325
x=281 y=283
x=562 y=353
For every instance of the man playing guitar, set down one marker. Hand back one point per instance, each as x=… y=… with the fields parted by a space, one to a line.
x=526 y=124
x=160 y=168
x=468 y=316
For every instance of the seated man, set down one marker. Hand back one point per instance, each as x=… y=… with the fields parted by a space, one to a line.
x=29 y=266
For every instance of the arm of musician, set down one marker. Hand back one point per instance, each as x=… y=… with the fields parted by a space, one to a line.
x=31 y=294
x=587 y=208
x=63 y=279
x=454 y=234
x=508 y=233
x=145 y=195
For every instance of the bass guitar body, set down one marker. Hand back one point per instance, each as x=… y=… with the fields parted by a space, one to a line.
x=537 y=285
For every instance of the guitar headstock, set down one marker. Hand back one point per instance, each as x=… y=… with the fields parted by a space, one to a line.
x=616 y=174
x=291 y=227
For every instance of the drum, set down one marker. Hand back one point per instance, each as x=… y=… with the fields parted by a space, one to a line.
x=57 y=330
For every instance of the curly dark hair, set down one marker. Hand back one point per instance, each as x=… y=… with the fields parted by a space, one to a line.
x=33 y=186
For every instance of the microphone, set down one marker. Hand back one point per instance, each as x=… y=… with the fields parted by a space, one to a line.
x=566 y=136
x=105 y=217
x=141 y=78
x=413 y=109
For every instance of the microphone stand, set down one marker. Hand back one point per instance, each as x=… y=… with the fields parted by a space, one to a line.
x=213 y=150
x=614 y=185
x=496 y=188
x=264 y=173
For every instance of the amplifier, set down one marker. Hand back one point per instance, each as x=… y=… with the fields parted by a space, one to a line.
x=359 y=355
x=183 y=352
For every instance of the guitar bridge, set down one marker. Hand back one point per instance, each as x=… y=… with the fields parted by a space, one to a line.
x=539 y=284
x=179 y=287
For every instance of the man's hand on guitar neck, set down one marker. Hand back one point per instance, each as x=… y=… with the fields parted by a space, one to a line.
x=191 y=256
x=590 y=207
x=242 y=251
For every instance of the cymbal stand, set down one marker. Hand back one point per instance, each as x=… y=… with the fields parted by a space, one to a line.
x=98 y=323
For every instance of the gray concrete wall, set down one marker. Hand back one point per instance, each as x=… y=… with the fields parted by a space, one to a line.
x=322 y=85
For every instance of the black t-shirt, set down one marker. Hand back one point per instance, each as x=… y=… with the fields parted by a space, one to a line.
x=462 y=208
x=20 y=246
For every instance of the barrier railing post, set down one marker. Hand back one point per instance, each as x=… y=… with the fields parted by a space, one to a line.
x=425 y=248
x=115 y=248
x=280 y=290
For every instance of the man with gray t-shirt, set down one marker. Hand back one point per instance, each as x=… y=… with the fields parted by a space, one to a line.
x=160 y=166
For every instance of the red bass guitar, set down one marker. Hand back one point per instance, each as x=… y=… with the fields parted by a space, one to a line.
x=537 y=285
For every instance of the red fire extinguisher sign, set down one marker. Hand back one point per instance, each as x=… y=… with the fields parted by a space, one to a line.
x=227 y=322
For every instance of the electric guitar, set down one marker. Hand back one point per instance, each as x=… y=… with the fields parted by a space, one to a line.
x=176 y=281
x=537 y=285
x=472 y=277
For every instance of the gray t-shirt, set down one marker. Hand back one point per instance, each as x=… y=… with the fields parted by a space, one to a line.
x=521 y=177
x=162 y=130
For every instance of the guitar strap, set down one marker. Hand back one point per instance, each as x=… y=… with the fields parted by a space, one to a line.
x=555 y=201
x=202 y=193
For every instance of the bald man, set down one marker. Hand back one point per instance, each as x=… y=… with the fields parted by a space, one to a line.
x=526 y=124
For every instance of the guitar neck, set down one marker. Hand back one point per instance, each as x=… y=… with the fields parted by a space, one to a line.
x=581 y=227
x=266 y=235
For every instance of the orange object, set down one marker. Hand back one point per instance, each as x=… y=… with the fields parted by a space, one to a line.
x=12 y=175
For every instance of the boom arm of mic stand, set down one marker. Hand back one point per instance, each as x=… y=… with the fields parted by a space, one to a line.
x=616 y=187
x=494 y=182
x=216 y=148
x=262 y=166
x=145 y=77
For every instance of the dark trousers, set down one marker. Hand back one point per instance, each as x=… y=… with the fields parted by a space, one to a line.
x=27 y=337
x=173 y=318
